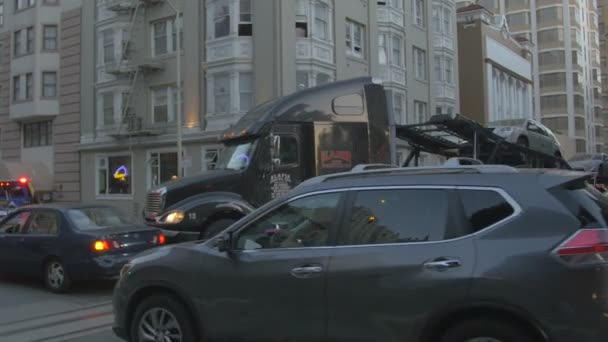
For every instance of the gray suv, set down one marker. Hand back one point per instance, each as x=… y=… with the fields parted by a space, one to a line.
x=445 y=254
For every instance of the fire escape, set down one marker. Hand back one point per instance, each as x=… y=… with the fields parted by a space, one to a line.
x=132 y=64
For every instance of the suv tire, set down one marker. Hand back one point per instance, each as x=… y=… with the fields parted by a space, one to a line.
x=487 y=330
x=174 y=314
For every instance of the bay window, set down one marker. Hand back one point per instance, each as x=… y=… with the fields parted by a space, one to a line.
x=164 y=39
x=245 y=19
x=221 y=19
x=49 y=84
x=108 y=46
x=397 y=51
x=246 y=100
x=107 y=105
x=164 y=104
x=221 y=91
x=420 y=63
x=382 y=49
x=321 y=26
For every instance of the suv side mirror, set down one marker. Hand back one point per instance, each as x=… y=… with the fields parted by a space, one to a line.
x=224 y=243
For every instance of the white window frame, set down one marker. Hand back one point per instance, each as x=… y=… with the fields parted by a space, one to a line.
x=246 y=92
x=1 y=13
x=171 y=96
x=24 y=4
x=30 y=40
x=102 y=115
x=170 y=36
x=105 y=45
x=323 y=20
x=402 y=106
x=204 y=161
x=106 y=157
x=149 y=164
x=29 y=86
x=53 y=40
x=400 y=59
x=214 y=19
x=421 y=111
x=420 y=64
x=245 y=22
x=227 y=93
x=52 y=86
x=383 y=46
x=418 y=11
x=354 y=48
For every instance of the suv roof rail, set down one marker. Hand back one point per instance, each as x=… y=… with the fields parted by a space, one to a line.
x=460 y=161
x=429 y=170
x=365 y=167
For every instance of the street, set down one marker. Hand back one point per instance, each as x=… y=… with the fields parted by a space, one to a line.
x=29 y=313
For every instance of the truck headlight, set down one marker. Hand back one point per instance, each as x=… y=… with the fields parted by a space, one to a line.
x=173 y=217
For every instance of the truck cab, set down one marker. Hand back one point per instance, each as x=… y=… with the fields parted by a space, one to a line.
x=272 y=149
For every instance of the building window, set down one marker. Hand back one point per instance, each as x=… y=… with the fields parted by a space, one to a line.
x=437 y=18
x=382 y=49
x=164 y=104
x=1 y=12
x=17 y=89
x=437 y=65
x=49 y=84
x=38 y=134
x=165 y=36
x=301 y=19
x=418 y=12
x=49 y=37
x=114 y=175
x=323 y=79
x=23 y=4
x=321 y=21
x=210 y=157
x=17 y=44
x=246 y=22
x=29 y=86
x=447 y=21
x=221 y=19
x=108 y=46
x=420 y=63
x=50 y=2
x=245 y=91
x=302 y=80
x=449 y=79
x=421 y=111
x=397 y=51
x=222 y=93
x=398 y=105
x=163 y=167
x=108 y=108
x=174 y=31
x=518 y=19
x=355 y=34
x=30 y=35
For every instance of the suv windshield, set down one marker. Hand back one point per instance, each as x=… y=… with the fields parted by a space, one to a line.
x=236 y=157
x=96 y=218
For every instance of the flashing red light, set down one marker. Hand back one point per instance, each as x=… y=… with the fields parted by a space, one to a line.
x=22 y=180
x=162 y=239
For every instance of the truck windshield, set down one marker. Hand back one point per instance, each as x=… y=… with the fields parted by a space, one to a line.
x=236 y=157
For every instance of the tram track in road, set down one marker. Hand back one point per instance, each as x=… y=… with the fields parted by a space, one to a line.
x=59 y=326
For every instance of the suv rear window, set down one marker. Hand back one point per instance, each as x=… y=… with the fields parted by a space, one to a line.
x=484 y=208
x=586 y=204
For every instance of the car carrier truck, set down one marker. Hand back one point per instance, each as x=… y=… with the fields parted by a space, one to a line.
x=317 y=131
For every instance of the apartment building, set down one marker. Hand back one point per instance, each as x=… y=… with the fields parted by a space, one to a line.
x=603 y=22
x=40 y=90
x=234 y=55
x=567 y=94
x=499 y=84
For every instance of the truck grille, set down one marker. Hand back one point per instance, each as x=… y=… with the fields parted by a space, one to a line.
x=153 y=203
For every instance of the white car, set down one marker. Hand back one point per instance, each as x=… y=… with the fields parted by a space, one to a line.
x=528 y=133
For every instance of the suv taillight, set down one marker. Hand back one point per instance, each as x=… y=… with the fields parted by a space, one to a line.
x=586 y=246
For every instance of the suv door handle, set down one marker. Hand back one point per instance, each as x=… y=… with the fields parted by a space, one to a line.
x=307 y=271
x=442 y=264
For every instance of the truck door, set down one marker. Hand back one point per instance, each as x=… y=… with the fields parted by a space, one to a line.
x=286 y=157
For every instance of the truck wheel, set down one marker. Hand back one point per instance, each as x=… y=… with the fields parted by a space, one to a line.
x=491 y=330
x=216 y=227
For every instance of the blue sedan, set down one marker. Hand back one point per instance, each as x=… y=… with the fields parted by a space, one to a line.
x=66 y=243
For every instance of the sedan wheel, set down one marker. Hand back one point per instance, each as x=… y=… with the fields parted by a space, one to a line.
x=161 y=318
x=55 y=276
